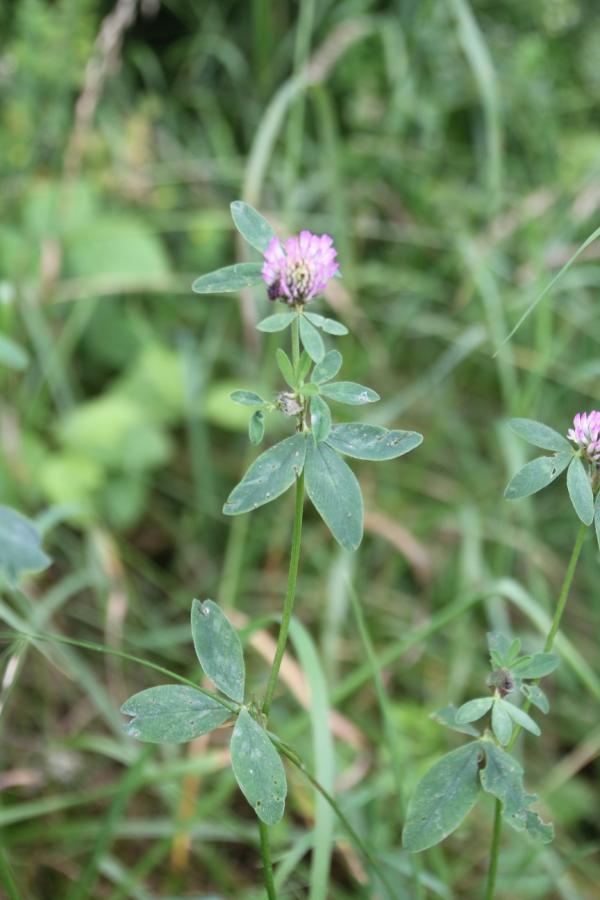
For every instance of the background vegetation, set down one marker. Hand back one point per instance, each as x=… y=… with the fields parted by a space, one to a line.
x=452 y=150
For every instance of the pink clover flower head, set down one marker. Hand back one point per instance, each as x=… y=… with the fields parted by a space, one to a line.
x=586 y=434
x=298 y=270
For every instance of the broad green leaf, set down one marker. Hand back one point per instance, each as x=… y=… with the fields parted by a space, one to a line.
x=312 y=340
x=320 y=418
x=502 y=777
x=218 y=649
x=269 y=476
x=473 y=710
x=535 y=694
x=537 y=666
x=316 y=318
x=443 y=798
x=335 y=493
x=580 y=491
x=310 y=390
x=304 y=366
x=229 y=279
x=258 y=769
x=256 y=427
x=330 y=326
x=539 y=435
x=251 y=225
x=350 y=393
x=535 y=475
x=447 y=717
x=328 y=368
x=520 y=717
x=501 y=724
x=597 y=517
x=12 y=354
x=276 y=322
x=285 y=367
x=172 y=713
x=372 y=441
x=20 y=546
x=247 y=398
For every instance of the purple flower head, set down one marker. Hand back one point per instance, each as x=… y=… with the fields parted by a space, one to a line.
x=586 y=434
x=299 y=270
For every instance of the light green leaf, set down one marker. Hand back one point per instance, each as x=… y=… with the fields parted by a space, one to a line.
x=580 y=491
x=285 y=367
x=447 y=717
x=535 y=475
x=316 y=319
x=309 y=390
x=502 y=777
x=20 y=546
x=371 y=441
x=218 y=649
x=269 y=476
x=501 y=724
x=312 y=340
x=535 y=695
x=276 y=322
x=328 y=368
x=498 y=644
x=229 y=279
x=443 y=798
x=256 y=427
x=350 y=393
x=330 y=326
x=247 y=398
x=537 y=666
x=540 y=435
x=251 y=225
x=473 y=710
x=12 y=354
x=172 y=713
x=320 y=418
x=258 y=769
x=304 y=366
x=335 y=493
x=597 y=517
x=520 y=717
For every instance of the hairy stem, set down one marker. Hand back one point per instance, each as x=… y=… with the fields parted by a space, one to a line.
x=549 y=644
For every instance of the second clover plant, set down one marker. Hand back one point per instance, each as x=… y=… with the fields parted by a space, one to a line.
x=312 y=460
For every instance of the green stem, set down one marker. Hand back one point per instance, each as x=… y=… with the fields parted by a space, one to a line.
x=265 y=852
x=289 y=597
x=555 y=625
x=296 y=341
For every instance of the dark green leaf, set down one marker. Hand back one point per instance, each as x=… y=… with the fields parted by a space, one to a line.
x=501 y=724
x=229 y=279
x=312 y=340
x=20 y=546
x=276 y=322
x=540 y=435
x=447 y=717
x=285 y=367
x=537 y=666
x=443 y=798
x=502 y=777
x=580 y=491
x=247 y=398
x=473 y=710
x=328 y=368
x=335 y=493
x=258 y=769
x=251 y=225
x=371 y=441
x=269 y=476
x=535 y=475
x=172 y=713
x=218 y=649
x=320 y=418
x=350 y=393
x=256 y=427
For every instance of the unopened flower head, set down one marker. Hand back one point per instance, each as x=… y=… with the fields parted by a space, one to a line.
x=298 y=270
x=586 y=434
